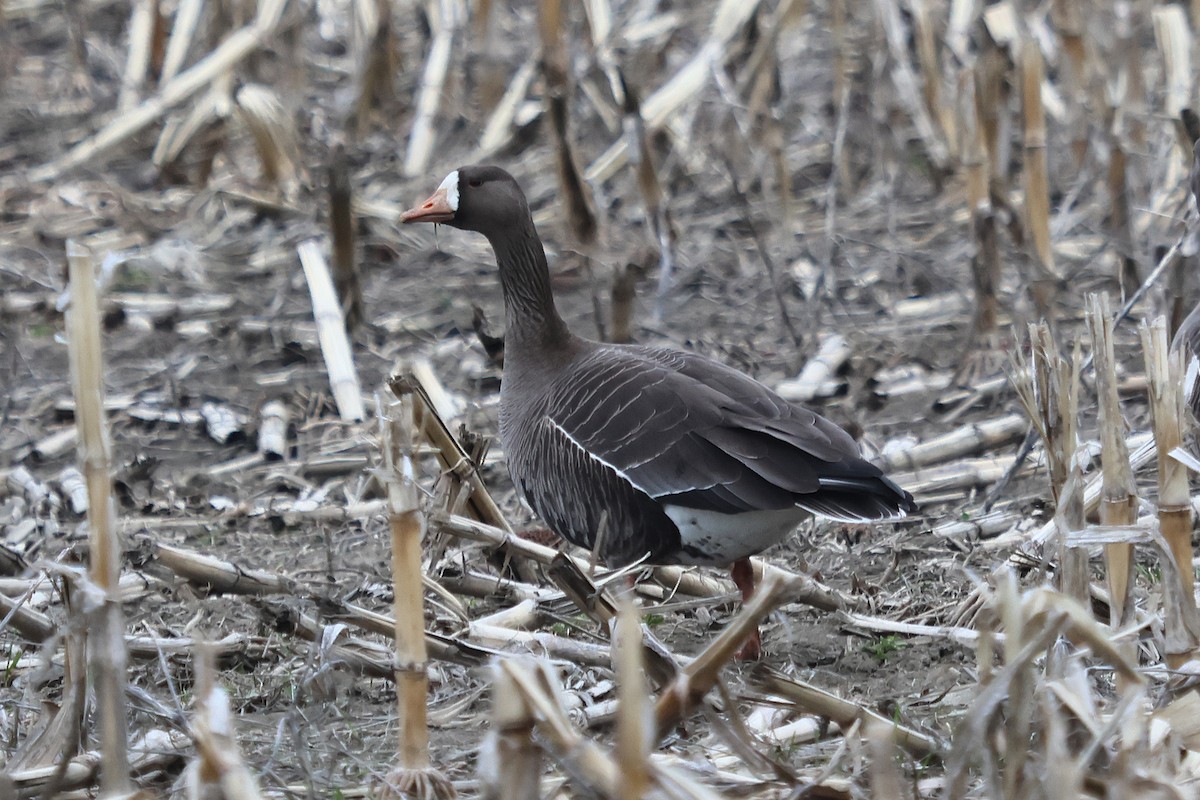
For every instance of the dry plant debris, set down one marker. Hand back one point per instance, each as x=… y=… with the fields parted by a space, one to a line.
x=865 y=204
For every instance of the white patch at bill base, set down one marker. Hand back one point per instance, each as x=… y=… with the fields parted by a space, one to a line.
x=450 y=184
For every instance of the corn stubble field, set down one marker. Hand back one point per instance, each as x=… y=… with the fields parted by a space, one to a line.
x=962 y=232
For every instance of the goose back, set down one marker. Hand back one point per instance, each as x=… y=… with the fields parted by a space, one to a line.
x=616 y=440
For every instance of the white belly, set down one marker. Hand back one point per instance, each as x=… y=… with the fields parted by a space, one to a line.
x=712 y=538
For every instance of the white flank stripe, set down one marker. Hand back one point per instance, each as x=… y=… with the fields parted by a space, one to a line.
x=852 y=519
x=450 y=184
x=593 y=456
x=1191 y=380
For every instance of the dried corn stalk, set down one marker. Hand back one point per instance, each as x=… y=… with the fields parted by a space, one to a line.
x=845 y=713
x=905 y=81
x=137 y=61
x=375 y=56
x=1173 y=36
x=1119 y=504
x=445 y=23
x=1049 y=389
x=699 y=676
x=183 y=35
x=985 y=264
x=107 y=639
x=1067 y=17
x=635 y=717
x=992 y=88
x=587 y=763
x=341 y=229
x=658 y=215
x=274 y=136
x=331 y=332
x=551 y=26
x=414 y=776
x=1009 y=707
x=931 y=72
x=218 y=772
x=1164 y=371
x=202 y=130
x=1120 y=220
x=272 y=430
x=1129 y=57
x=510 y=761
x=1036 y=179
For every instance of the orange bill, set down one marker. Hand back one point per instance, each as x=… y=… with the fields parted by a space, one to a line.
x=435 y=209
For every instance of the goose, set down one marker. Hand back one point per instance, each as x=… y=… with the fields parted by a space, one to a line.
x=648 y=453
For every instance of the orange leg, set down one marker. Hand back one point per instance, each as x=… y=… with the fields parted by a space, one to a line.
x=743 y=578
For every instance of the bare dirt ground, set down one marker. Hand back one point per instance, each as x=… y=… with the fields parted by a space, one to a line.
x=205 y=302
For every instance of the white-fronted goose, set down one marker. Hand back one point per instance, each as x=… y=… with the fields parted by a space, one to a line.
x=667 y=455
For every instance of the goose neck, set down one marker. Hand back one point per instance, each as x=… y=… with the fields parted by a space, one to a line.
x=530 y=314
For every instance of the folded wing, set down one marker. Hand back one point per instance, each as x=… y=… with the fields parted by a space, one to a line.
x=689 y=431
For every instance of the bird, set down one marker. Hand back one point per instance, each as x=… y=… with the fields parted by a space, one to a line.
x=642 y=453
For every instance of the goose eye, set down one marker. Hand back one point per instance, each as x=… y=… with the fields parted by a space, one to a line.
x=476 y=182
